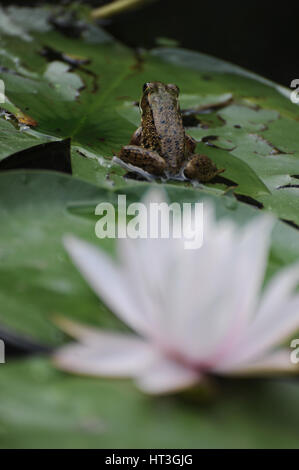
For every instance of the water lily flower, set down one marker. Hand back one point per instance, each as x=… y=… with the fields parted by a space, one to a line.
x=194 y=312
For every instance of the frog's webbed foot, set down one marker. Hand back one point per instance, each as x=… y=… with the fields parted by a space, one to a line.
x=201 y=168
x=148 y=160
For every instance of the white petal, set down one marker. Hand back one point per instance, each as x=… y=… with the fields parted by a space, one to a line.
x=141 y=274
x=276 y=319
x=230 y=268
x=174 y=281
x=113 y=355
x=154 y=194
x=149 y=265
x=265 y=335
x=95 y=336
x=108 y=280
x=277 y=292
x=278 y=362
x=166 y=376
x=252 y=253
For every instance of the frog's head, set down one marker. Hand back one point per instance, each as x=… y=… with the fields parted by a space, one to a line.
x=158 y=90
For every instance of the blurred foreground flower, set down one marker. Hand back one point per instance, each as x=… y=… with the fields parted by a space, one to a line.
x=195 y=312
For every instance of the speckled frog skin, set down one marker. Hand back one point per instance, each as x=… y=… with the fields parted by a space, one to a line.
x=160 y=146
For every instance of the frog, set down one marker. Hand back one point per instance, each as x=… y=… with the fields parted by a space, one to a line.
x=160 y=145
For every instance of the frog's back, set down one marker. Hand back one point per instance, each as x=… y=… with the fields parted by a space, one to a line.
x=150 y=139
x=169 y=126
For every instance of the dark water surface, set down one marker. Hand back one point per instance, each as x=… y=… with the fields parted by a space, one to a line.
x=259 y=35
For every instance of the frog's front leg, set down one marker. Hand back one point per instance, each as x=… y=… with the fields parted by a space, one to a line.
x=136 y=137
x=201 y=168
x=190 y=144
x=148 y=160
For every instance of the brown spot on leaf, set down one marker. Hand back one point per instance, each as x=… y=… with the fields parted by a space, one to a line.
x=121 y=98
x=25 y=119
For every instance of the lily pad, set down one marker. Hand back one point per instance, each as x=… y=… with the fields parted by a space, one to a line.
x=38 y=281
x=86 y=88
x=44 y=408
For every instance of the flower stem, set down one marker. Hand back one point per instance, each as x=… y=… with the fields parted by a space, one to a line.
x=117 y=6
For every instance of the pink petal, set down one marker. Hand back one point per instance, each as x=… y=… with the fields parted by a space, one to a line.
x=108 y=354
x=166 y=376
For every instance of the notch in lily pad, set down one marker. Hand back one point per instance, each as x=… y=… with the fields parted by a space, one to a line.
x=54 y=156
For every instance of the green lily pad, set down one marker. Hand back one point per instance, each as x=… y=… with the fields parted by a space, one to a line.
x=13 y=140
x=38 y=281
x=86 y=89
x=44 y=408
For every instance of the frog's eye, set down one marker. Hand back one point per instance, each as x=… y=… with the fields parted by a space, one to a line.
x=146 y=86
x=174 y=88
